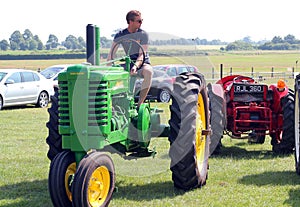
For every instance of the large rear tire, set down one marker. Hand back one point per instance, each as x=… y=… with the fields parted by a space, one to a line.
x=287 y=142
x=189 y=150
x=217 y=106
x=94 y=181
x=297 y=124
x=54 y=139
x=62 y=169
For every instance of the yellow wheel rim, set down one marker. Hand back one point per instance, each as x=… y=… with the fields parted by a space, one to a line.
x=200 y=138
x=99 y=185
x=68 y=175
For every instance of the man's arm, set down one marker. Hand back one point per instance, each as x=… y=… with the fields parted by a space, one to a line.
x=139 y=61
x=112 y=53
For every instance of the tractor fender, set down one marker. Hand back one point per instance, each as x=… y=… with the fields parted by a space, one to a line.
x=217 y=89
x=279 y=94
x=277 y=97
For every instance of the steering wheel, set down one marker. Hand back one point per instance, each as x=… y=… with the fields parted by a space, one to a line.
x=130 y=47
x=243 y=79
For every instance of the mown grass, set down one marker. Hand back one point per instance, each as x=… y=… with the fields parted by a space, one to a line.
x=242 y=175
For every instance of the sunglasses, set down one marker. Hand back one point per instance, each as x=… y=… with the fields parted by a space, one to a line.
x=139 y=21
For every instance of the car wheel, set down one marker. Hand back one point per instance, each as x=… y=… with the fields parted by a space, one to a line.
x=1 y=102
x=43 y=100
x=163 y=96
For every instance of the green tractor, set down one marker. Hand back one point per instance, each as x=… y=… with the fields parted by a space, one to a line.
x=93 y=114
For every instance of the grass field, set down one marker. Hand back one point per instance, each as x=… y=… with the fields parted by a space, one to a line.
x=242 y=175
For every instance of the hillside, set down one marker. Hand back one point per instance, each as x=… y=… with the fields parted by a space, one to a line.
x=161 y=36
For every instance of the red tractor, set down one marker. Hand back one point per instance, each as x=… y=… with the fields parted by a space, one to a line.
x=242 y=108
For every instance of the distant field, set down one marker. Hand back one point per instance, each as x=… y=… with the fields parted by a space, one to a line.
x=260 y=60
x=207 y=58
x=36 y=64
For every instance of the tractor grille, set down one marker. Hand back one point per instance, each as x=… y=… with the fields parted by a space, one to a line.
x=64 y=106
x=97 y=103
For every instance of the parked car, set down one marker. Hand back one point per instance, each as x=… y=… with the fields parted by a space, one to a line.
x=21 y=87
x=52 y=72
x=162 y=81
x=174 y=70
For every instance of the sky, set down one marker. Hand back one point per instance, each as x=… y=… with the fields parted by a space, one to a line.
x=226 y=20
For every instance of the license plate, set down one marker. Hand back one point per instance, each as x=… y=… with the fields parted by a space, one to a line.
x=248 y=88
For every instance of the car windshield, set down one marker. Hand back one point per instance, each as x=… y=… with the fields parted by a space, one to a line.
x=2 y=75
x=50 y=72
x=192 y=69
x=159 y=74
x=159 y=67
x=182 y=69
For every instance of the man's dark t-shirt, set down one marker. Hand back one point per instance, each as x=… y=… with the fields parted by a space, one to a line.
x=140 y=36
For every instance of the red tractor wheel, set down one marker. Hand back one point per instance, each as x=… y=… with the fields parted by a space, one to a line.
x=287 y=136
x=217 y=107
x=189 y=150
x=94 y=181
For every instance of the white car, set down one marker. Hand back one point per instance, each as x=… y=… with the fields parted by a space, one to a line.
x=51 y=73
x=21 y=87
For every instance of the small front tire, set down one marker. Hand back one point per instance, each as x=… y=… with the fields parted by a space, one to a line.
x=94 y=181
x=62 y=169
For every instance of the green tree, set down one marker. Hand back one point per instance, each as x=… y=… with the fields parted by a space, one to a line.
x=105 y=43
x=71 y=42
x=15 y=39
x=81 y=42
x=290 y=39
x=247 y=39
x=239 y=45
x=14 y=46
x=29 y=41
x=40 y=45
x=27 y=35
x=33 y=45
x=23 y=45
x=277 y=39
x=52 y=42
x=4 y=45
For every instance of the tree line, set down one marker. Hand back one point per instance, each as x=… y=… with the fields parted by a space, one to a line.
x=289 y=42
x=28 y=41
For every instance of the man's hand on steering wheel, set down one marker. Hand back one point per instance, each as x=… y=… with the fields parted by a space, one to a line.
x=133 y=70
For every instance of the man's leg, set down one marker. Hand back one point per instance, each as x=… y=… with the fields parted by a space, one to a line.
x=147 y=74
